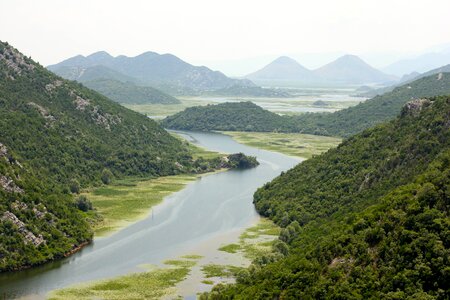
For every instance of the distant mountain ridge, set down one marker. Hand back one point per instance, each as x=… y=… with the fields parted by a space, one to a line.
x=421 y=64
x=352 y=69
x=346 y=70
x=155 y=69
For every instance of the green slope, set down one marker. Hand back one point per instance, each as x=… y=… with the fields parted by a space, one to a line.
x=366 y=220
x=381 y=108
x=344 y=123
x=53 y=134
x=235 y=116
x=130 y=93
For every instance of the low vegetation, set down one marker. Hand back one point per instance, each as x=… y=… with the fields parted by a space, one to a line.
x=152 y=284
x=294 y=144
x=127 y=200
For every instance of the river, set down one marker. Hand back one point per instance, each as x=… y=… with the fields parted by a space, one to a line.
x=207 y=208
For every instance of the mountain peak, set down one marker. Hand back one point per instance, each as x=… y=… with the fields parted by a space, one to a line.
x=99 y=55
x=351 y=69
x=285 y=60
x=282 y=68
x=350 y=59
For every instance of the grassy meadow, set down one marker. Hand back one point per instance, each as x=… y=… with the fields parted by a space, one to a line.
x=293 y=144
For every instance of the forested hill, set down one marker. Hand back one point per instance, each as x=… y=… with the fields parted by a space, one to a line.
x=381 y=108
x=344 y=123
x=366 y=220
x=55 y=134
x=232 y=116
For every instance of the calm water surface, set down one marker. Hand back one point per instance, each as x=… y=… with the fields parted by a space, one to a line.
x=206 y=208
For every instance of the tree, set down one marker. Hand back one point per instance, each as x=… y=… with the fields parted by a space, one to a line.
x=106 y=176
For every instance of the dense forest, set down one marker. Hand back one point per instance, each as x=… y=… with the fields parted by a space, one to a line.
x=366 y=220
x=344 y=123
x=233 y=116
x=56 y=137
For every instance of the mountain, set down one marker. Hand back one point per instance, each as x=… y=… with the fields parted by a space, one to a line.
x=55 y=134
x=404 y=80
x=421 y=64
x=83 y=74
x=129 y=93
x=114 y=85
x=283 y=69
x=366 y=220
x=155 y=70
x=350 y=69
x=234 y=116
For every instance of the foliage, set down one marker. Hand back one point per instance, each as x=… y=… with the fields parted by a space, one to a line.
x=236 y=116
x=55 y=134
x=367 y=220
x=241 y=161
x=245 y=116
x=83 y=203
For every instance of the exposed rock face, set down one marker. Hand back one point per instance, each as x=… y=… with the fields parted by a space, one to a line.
x=15 y=61
x=3 y=151
x=29 y=237
x=80 y=102
x=415 y=106
x=8 y=185
x=104 y=119
x=52 y=86
x=43 y=111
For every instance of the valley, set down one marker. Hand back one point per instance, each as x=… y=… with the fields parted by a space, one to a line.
x=224 y=150
x=222 y=213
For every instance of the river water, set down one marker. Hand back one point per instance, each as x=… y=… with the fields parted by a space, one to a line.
x=207 y=208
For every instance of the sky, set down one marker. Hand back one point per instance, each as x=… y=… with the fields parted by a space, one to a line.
x=234 y=36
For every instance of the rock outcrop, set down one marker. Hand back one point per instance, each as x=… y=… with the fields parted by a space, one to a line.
x=29 y=237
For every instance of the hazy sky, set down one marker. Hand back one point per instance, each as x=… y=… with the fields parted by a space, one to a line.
x=233 y=35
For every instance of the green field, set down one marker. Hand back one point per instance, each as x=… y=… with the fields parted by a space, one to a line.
x=152 y=284
x=126 y=201
x=293 y=144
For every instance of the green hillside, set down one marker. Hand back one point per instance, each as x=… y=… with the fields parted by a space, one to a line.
x=56 y=135
x=130 y=93
x=344 y=123
x=233 y=116
x=366 y=220
x=379 y=109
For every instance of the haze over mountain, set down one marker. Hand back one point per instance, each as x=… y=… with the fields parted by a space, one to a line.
x=154 y=69
x=421 y=64
x=283 y=68
x=347 y=69
x=350 y=69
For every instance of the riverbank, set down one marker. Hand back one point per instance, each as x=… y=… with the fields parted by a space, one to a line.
x=130 y=200
x=187 y=275
x=292 y=144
